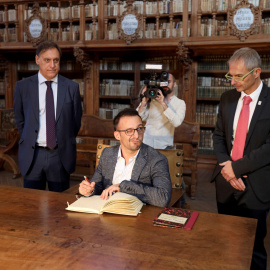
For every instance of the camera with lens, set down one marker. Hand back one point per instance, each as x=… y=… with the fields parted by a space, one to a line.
x=156 y=81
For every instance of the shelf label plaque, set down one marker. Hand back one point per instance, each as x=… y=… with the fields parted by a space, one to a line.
x=129 y=24
x=243 y=19
x=35 y=28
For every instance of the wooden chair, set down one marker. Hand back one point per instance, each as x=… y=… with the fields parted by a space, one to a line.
x=186 y=137
x=8 y=140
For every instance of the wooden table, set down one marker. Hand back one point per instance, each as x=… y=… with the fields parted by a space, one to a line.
x=36 y=232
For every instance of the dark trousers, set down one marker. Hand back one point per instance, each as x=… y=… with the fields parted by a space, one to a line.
x=47 y=168
x=232 y=202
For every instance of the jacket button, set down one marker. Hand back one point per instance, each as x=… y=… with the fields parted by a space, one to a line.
x=36 y=131
x=33 y=147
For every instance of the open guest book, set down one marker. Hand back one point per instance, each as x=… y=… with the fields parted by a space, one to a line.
x=119 y=203
x=176 y=218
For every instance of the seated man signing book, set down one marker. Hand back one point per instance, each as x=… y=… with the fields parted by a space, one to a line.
x=133 y=167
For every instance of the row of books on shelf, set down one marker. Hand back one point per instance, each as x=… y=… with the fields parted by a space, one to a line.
x=168 y=63
x=151 y=7
x=206 y=140
x=206 y=114
x=64 y=13
x=64 y=65
x=206 y=118
x=211 y=91
x=207 y=27
x=11 y=32
x=110 y=110
x=81 y=85
x=221 y=5
x=2 y=103
x=213 y=81
x=206 y=151
x=112 y=87
x=2 y=87
x=220 y=63
x=115 y=63
x=213 y=63
x=11 y=15
x=164 y=31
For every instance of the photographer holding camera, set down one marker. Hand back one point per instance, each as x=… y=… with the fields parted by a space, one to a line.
x=163 y=112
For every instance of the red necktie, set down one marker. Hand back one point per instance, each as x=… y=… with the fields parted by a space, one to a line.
x=50 y=117
x=241 y=130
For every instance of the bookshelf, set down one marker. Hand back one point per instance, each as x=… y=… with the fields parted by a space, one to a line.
x=191 y=38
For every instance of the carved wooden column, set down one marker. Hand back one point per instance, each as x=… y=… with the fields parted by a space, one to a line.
x=84 y=59
x=188 y=86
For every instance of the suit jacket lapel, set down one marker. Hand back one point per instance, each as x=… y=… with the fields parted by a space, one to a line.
x=112 y=160
x=257 y=112
x=35 y=95
x=139 y=163
x=61 y=92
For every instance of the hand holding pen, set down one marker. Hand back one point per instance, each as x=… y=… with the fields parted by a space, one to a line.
x=86 y=187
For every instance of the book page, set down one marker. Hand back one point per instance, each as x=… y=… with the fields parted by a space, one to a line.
x=123 y=203
x=91 y=204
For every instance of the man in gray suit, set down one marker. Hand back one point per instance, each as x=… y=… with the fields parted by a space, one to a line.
x=48 y=115
x=133 y=167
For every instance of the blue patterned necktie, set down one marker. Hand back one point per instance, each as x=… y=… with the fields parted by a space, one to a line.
x=50 y=117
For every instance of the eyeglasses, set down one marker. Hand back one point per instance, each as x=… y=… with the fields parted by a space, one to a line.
x=238 y=79
x=131 y=131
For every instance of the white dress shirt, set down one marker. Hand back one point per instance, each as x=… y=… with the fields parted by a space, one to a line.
x=122 y=171
x=42 y=88
x=160 y=124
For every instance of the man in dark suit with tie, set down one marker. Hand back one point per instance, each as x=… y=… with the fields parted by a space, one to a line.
x=48 y=116
x=242 y=146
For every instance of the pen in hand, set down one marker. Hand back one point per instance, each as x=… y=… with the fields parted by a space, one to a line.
x=85 y=178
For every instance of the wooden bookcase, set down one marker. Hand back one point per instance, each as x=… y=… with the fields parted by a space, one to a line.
x=187 y=36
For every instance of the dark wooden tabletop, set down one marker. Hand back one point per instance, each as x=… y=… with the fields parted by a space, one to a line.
x=36 y=232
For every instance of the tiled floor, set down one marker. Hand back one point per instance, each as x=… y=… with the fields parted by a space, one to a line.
x=205 y=195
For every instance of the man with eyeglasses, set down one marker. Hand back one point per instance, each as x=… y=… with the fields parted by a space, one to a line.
x=242 y=146
x=132 y=167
